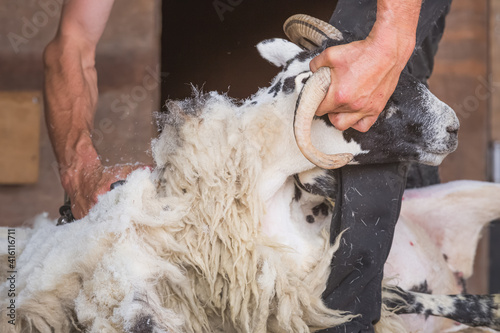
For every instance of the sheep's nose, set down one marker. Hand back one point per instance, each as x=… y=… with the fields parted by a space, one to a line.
x=452 y=129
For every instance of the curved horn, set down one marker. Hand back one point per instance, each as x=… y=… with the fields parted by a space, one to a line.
x=309 y=32
x=313 y=93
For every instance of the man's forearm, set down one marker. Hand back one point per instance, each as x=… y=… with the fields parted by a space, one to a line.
x=396 y=26
x=70 y=102
x=71 y=85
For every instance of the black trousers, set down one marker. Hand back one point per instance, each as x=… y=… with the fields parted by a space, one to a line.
x=368 y=201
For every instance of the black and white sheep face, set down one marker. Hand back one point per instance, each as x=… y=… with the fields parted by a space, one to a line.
x=415 y=125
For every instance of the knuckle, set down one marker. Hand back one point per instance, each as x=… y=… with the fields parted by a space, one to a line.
x=340 y=125
x=330 y=55
x=365 y=124
x=363 y=128
x=342 y=97
x=358 y=105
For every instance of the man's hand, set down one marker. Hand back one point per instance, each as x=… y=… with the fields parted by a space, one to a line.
x=365 y=73
x=70 y=96
x=84 y=187
x=364 y=77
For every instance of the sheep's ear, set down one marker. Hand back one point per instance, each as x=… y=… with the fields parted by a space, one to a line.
x=278 y=51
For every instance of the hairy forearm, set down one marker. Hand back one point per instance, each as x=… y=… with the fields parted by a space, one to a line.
x=395 y=27
x=70 y=102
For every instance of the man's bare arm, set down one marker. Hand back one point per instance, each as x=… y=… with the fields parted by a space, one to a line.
x=365 y=73
x=70 y=102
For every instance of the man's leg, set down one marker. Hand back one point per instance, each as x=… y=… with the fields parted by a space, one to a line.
x=366 y=209
x=356 y=18
x=369 y=197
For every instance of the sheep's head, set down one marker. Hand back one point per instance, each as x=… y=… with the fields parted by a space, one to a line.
x=414 y=126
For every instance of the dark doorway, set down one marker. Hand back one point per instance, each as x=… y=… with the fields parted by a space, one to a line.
x=212 y=43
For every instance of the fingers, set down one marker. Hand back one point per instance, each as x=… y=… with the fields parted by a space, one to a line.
x=77 y=212
x=94 y=183
x=343 y=121
x=80 y=206
x=317 y=62
x=327 y=58
x=359 y=122
x=364 y=124
x=362 y=81
x=329 y=103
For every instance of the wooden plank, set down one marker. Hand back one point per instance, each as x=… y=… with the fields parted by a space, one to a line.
x=460 y=79
x=494 y=90
x=494 y=131
x=19 y=136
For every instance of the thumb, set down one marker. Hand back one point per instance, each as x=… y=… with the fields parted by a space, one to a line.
x=364 y=124
x=317 y=62
x=324 y=59
x=343 y=121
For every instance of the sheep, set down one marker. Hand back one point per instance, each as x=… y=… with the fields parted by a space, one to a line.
x=433 y=250
x=208 y=241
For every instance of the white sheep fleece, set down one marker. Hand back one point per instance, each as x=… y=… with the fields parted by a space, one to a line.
x=181 y=246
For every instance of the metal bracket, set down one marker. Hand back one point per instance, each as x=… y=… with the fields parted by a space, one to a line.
x=496 y=161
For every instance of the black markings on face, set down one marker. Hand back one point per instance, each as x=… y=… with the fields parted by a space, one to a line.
x=253 y=103
x=310 y=219
x=322 y=209
x=415 y=130
x=399 y=133
x=275 y=89
x=324 y=184
x=298 y=193
x=289 y=85
x=303 y=56
x=288 y=63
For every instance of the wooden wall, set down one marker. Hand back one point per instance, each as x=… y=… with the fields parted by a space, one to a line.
x=460 y=79
x=494 y=77
x=494 y=130
x=127 y=54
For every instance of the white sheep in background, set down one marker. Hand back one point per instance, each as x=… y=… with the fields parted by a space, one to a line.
x=214 y=239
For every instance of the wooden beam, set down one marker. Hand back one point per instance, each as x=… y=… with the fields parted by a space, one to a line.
x=19 y=136
x=494 y=91
x=460 y=79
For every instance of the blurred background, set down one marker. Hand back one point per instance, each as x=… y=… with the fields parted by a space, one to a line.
x=212 y=44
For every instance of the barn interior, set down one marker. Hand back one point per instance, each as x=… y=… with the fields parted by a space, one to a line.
x=211 y=44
